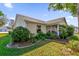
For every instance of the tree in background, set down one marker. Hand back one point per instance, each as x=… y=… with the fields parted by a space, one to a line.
x=73 y=8
x=2 y=19
x=1 y=13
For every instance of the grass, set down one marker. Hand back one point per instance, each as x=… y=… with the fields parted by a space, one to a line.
x=50 y=49
x=54 y=49
x=77 y=35
x=44 y=48
x=4 y=51
x=3 y=34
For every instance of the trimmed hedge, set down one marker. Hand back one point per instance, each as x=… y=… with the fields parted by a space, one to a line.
x=20 y=34
x=40 y=36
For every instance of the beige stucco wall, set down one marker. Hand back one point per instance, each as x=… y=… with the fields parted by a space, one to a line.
x=33 y=27
x=20 y=22
x=43 y=28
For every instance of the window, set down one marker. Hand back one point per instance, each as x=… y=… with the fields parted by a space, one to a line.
x=38 y=28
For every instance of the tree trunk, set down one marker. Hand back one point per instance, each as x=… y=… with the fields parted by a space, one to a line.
x=78 y=15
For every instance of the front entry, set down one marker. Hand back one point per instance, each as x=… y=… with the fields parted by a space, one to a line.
x=53 y=28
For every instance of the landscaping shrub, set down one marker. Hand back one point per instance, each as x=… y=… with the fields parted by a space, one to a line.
x=74 y=45
x=66 y=31
x=70 y=30
x=48 y=35
x=20 y=34
x=51 y=35
x=10 y=32
x=32 y=38
x=74 y=37
x=40 y=36
x=63 y=33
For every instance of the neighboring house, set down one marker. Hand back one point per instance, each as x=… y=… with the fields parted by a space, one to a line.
x=10 y=24
x=3 y=21
x=76 y=30
x=5 y=28
x=35 y=25
x=11 y=21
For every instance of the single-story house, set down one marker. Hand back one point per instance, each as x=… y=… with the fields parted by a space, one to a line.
x=4 y=29
x=36 y=25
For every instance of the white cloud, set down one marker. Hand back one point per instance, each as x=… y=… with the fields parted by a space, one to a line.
x=11 y=18
x=8 y=5
x=72 y=20
x=71 y=17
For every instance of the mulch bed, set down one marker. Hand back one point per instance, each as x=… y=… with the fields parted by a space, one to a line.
x=20 y=44
x=26 y=43
x=29 y=43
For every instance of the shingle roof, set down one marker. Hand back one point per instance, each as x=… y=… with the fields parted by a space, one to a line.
x=56 y=20
x=30 y=19
x=27 y=18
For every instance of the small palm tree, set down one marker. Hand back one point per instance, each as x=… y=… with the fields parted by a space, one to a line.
x=73 y=8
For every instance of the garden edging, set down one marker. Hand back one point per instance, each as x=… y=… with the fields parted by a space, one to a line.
x=9 y=45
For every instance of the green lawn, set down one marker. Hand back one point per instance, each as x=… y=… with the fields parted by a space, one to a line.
x=4 y=51
x=42 y=49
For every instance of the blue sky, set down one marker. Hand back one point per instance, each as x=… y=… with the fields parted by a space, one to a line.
x=35 y=10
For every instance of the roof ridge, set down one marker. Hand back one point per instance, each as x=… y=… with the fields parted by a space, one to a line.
x=30 y=17
x=55 y=19
x=38 y=20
